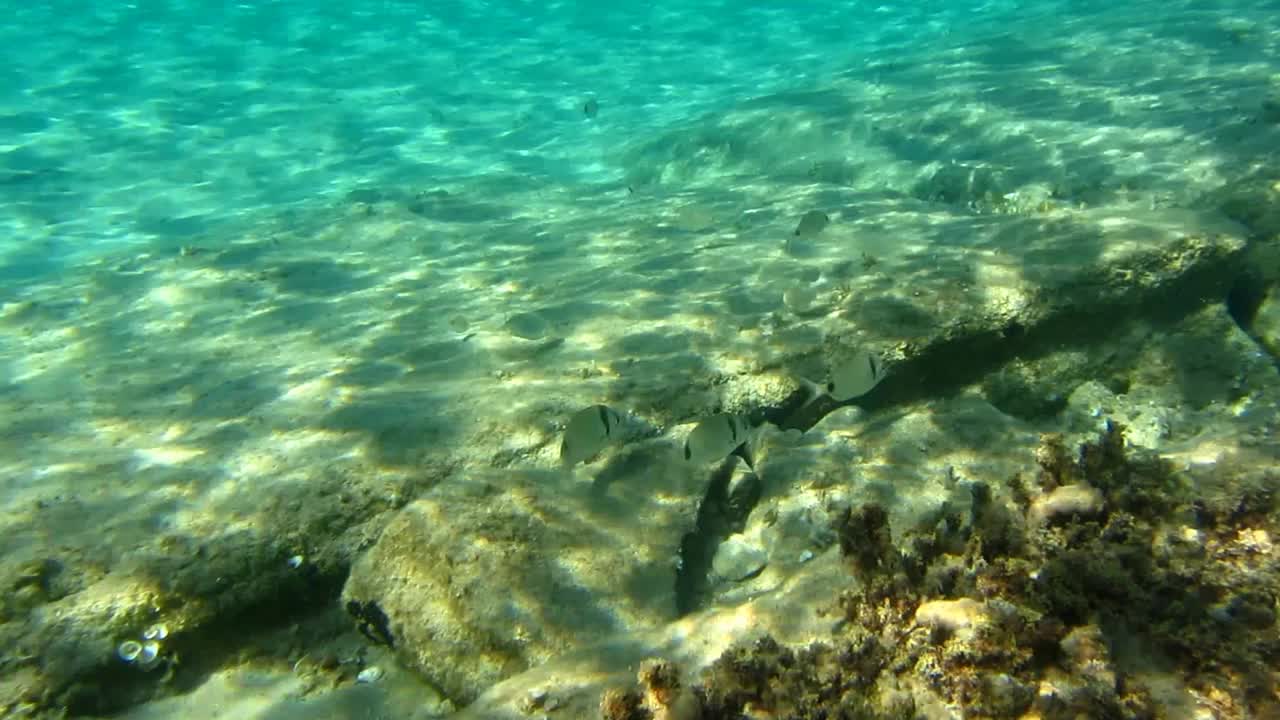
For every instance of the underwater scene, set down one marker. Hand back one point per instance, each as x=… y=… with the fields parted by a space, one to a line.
x=704 y=360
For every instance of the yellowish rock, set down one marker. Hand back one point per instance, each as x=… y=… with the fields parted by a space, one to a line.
x=962 y=617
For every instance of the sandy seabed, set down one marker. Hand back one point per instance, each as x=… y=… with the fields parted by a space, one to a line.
x=307 y=433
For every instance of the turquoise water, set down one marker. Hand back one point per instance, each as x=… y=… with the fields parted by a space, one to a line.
x=157 y=124
x=144 y=123
x=277 y=276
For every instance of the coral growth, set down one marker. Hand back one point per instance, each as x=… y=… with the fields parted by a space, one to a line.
x=663 y=696
x=1019 y=611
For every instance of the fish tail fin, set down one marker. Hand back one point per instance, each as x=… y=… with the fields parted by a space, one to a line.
x=812 y=389
x=744 y=451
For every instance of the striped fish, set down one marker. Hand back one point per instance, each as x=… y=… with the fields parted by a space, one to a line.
x=718 y=437
x=855 y=376
x=587 y=433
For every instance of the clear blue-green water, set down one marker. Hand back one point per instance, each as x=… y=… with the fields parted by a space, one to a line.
x=258 y=256
x=153 y=123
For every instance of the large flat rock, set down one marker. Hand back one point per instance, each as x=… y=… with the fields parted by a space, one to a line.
x=494 y=572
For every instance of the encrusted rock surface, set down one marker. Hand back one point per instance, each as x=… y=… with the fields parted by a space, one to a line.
x=497 y=571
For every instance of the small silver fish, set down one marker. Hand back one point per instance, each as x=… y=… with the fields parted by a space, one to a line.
x=718 y=437
x=799 y=298
x=811 y=223
x=587 y=433
x=527 y=326
x=854 y=376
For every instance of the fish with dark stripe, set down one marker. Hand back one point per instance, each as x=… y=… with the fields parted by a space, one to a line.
x=718 y=437
x=588 y=432
x=852 y=377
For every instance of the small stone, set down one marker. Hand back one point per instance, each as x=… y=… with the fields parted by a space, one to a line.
x=736 y=559
x=1266 y=322
x=369 y=675
x=1067 y=501
x=961 y=617
x=540 y=700
x=1254 y=540
x=532 y=702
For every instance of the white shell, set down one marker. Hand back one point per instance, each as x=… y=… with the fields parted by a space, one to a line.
x=150 y=654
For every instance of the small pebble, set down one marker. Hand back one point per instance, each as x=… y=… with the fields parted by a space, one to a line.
x=532 y=702
x=738 y=559
x=540 y=700
x=369 y=675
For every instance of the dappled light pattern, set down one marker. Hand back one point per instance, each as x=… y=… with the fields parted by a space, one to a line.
x=291 y=327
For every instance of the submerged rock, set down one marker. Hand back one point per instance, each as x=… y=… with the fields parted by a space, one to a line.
x=1067 y=501
x=957 y=617
x=738 y=559
x=495 y=573
x=1266 y=323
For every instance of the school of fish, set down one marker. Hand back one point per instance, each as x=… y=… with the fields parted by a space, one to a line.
x=716 y=437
